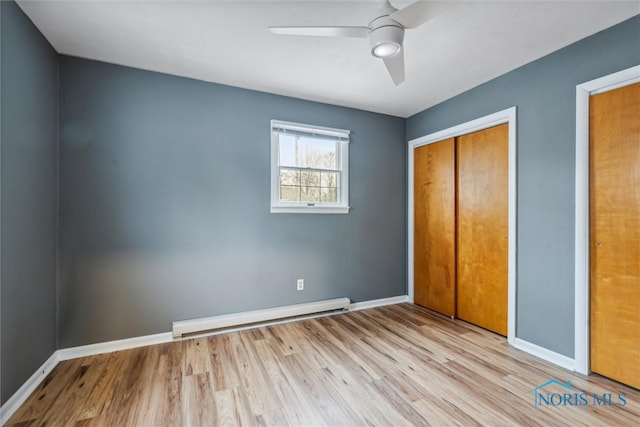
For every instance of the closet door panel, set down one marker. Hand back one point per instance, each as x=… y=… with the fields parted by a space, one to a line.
x=615 y=233
x=434 y=230
x=482 y=225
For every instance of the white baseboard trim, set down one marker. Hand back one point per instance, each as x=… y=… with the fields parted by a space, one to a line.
x=546 y=354
x=379 y=302
x=352 y=307
x=204 y=324
x=19 y=397
x=111 y=346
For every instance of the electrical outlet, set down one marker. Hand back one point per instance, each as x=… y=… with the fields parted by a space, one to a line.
x=300 y=284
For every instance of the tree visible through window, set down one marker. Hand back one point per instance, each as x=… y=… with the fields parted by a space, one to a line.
x=308 y=170
x=310 y=167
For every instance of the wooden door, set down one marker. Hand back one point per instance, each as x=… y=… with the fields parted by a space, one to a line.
x=614 y=138
x=482 y=216
x=434 y=226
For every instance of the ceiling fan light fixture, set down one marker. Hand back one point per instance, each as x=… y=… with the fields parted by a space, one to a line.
x=386 y=41
x=386 y=50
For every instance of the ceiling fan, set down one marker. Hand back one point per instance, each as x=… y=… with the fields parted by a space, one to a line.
x=385 y=33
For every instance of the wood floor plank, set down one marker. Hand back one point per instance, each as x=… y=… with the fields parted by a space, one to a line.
x=86 y=387
x=197 y=359
x=299 y=407
x=233 y=409
x=225 y=373
x=443 y=413
x=399 y=404
x=254 y=384
x=198 y=401
x=332 y=410
x=394 y=365
x=48 y=392
x=369 y=404
x=343 y=348
x=170 y=411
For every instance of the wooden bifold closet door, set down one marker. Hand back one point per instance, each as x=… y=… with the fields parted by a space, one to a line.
x=461 y=227
x=434 y=227
x=614 y=139
x=483 y=212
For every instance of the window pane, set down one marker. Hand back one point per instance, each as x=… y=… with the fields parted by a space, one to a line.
x=289 y=177
x=309 y=167
x=310 y=178
x=289 y=194
x=329 y=195
x=329 y=179
x=307 y=152
x=310 y=194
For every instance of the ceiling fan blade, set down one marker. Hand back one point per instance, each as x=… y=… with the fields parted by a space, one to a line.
x=395 y=67
x=357 y=32
x=413 y=15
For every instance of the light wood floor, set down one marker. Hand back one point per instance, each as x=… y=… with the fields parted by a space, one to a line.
x=389 y=366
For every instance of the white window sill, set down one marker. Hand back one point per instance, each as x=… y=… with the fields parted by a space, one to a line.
x=310 y=209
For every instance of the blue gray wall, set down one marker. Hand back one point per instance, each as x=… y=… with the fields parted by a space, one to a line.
x=29 y=117
x=165 y=205
x=544 y=92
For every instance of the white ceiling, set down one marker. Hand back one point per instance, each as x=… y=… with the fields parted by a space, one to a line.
x=463 y=45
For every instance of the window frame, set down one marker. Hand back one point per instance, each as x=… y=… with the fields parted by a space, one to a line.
x=342 y=138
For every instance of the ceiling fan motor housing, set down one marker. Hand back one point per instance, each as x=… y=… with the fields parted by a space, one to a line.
x=385 y=32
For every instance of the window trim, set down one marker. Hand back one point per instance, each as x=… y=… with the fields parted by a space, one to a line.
x=342 y=136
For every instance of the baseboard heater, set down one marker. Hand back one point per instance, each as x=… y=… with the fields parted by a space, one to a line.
x=186 y=327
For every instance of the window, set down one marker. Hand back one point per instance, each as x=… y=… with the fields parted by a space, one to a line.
x=309 y=169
